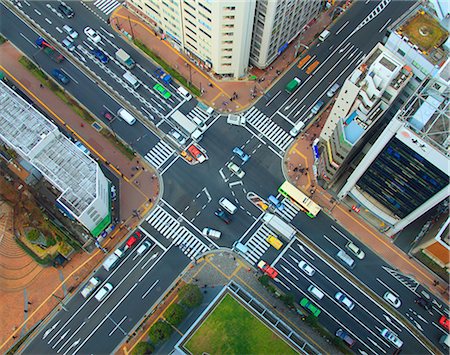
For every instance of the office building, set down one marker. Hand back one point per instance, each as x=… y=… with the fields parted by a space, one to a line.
x=84 y=190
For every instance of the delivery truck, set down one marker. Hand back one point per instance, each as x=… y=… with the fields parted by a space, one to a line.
x=292 y=85
x=90 y=286
x=124 y=58
x=278 y=225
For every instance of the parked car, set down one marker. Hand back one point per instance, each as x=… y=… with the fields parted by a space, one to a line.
x=355 y=250
x=223 y=215
x=267 y=269
x=236 y=170
x=107 y=115
x=393 y=300
x=68 y=43
x=333 y=90
x=103 y=292
x=340 y=333
x=212 y=233
x=317 y=107
x=66 y=10
x=343 y=299
x=70 y=31
x=445 y=323
x=133 y=239
x=306 y=268
x=178 y=137
x=392 y=337
x=102 y=57
x=241 y=154
x=92 y=35
x=311 y=307
x=60 y=76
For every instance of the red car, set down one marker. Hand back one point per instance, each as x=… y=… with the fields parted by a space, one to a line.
x=196 y=153
x=445 y=322
x=133 y=239
x=267 y=269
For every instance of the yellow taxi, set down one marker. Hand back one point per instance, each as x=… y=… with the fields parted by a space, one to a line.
x=274 y=241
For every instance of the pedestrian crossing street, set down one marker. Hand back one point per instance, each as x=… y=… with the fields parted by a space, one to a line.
x=290 y=210
x=278 y=136
x=106 y=6
x=159 y=154
x=180 y=236
x=257 y=244
x=198 y=112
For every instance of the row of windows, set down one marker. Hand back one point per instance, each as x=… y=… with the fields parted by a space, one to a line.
x=191 y=6
x=204 y=7
x=202 y=31
x=204 y=16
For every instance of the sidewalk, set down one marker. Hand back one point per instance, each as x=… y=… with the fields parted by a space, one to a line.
x=301 y=153
x=133 y=197
x=220 y=93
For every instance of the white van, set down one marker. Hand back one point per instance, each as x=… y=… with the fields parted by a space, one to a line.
x=297 y=128
x=317 y=293
x=126 y=116
x=324 y=35
x=197 y=135
x=143 y=248
x=183 y=92
x=227 y=205
x=131 y=79
x=346 y=259
x=101 y=294
x=240 y=248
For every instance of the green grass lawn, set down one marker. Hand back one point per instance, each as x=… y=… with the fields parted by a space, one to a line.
x=231 y=329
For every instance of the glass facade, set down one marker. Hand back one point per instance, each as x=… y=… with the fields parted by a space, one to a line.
x=401 y=179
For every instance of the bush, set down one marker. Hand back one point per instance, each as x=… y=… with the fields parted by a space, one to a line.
x=264 y=279
x=175 y=314
x=288 y=299
x=159 y=332
x=143 y=348
x=190 y=296
x=33 y=235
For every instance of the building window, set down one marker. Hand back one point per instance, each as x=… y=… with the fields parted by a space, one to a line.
x=402 y=53
x=204 y=7
x=230 y=8
x=204 y=33
x=229 y=17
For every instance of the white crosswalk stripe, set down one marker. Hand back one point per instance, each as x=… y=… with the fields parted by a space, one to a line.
x=180 y=236
x=278 y=136
x=197 y=112
x=107 y=6
x=257 y=244
x=289 y=211
x=159 y=154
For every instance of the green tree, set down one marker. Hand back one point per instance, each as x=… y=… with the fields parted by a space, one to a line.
x=33 y=235
x=190 y=295
x=143 y=348
x=160 y=331
x=175 y=314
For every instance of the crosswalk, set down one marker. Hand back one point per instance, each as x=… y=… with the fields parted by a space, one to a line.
x=197 y=112
x=278 y=136
x=179 y=235
x=159 y=154
x=257 y=244
x=290 y=210
x=106 y=6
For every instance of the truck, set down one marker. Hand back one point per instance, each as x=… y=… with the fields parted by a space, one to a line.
x=292 y=85
x=124 y=58
x=112 y=260
x=280 y=226
x=49 y=50
x=90 y=286
x=186 y=125
x=236 y=120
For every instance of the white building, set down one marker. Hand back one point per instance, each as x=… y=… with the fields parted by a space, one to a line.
x=85 y=191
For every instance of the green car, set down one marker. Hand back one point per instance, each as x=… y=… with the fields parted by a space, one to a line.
x=307 y=304
x=162 y=91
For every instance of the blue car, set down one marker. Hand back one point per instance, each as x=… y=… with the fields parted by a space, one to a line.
x=241 y=154
x=100 y=56
x=60 y=76
x=223 y=215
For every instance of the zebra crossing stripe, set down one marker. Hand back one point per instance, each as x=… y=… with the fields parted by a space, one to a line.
x=159 y=154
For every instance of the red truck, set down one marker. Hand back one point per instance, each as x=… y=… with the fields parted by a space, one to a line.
x=49 y=50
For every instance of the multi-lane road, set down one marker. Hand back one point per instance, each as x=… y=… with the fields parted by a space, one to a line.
x=191 y=193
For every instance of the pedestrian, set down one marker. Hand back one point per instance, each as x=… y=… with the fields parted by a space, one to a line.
x=25 y=310
x=41 y=86
x=14 y=337
x=29 y=302
x=132 y=175
x=210 y=85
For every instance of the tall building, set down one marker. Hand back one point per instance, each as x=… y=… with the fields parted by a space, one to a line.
x=85 y=193
x=276 y=24
x=224 y=37
x=363 y=100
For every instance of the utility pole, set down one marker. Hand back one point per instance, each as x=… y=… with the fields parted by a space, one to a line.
x=131 y=28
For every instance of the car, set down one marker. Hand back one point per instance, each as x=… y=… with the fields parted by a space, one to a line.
x=311 y=307
x=392 y=337
x=445 y=323
x=317 y=107
x=333 y=90
x=306 y=268
x=236 y=170
x=66 y=10
x=340 y=333
x=341 y=298
x=143 y=248
x=60 y=76
x=223 y=215
x=212 y=233
x=178 y=137
x=68 y=43
x=393 y=300
x=70 y=31
x=196 y=153
x=107 y=115
x=92 y=35
x=101 y=294
x=274 y=241
x=267 y=269
x=241 y=154
x=355 y=250
x=162 y=91
x=133 y=239
x=423 y=303
x=100 y=56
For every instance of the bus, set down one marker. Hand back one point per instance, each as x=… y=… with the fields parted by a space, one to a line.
x=299 y=199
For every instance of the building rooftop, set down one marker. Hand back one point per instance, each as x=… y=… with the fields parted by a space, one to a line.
x=55 y=156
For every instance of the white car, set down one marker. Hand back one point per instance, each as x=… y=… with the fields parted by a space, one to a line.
x=212 y=233
x=306 y=268
x=101 y=294
x=70 y=31
x=344 y=300
x=393 y=300
x=235 y=170
x=92 y=35
x=355 y=250
x=392 y=337
x=178 y=137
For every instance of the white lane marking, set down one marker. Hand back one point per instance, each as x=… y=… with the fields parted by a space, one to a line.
x=74 y=344
x=390 y=289
x=73 y=334
x=375 y=343
x=302 y=248
x=26 y=39
x=48 y=21
x=71 y=77
x=390 y=321
x=151 y=288
x=341 y=234
x=38 y=12
x=342 y=27
x=61 y=338
x=332 y=243
x=273 y=98
x=51 y=329
x=385 y=25
x=117 y=326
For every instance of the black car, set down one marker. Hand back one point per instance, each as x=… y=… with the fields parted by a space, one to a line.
x=423 y=303
x=223 y=216
x=66 y=10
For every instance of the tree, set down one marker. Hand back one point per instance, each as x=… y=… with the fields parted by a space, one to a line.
x=159 y=331
x=143 y=348
x=190 y=295
x=33 y=235
x=175 y=314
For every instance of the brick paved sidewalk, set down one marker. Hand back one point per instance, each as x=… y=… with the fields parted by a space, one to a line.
x=221 y=90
